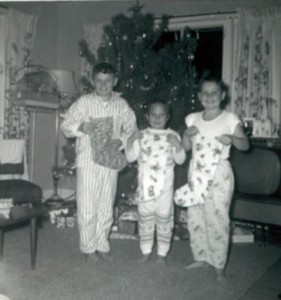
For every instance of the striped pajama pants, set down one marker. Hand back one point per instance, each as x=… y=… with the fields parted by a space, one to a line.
x=96 y=190
x=157 y=214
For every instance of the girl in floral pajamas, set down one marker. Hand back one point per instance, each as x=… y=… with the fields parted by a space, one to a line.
x=156 y=149
x=210 y=134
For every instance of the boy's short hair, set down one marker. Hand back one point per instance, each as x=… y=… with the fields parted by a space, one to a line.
x=105 y=68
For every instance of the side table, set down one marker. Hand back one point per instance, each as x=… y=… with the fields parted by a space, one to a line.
x=18 y=216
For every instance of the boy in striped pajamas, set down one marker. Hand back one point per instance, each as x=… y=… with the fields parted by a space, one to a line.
x=156 y=149
x=101 y=122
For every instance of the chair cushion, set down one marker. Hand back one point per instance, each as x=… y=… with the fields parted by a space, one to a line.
x=21 y=191
x=255 y=209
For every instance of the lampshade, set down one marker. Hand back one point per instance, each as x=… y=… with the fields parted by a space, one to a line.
x=65 y=81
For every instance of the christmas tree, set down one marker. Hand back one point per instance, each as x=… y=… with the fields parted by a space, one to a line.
x=152 y=63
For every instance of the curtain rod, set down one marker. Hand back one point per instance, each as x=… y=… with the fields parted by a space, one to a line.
x=202 y=15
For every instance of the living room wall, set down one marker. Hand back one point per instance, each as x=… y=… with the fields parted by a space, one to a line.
x=60 y=27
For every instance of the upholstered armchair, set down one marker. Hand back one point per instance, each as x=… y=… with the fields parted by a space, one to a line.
x=257 y=197
x=13 y=175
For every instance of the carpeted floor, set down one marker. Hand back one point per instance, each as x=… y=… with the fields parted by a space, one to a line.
x=268 y=286
x=62 y=273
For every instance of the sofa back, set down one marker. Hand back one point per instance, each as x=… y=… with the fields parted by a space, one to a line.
x=257 y=172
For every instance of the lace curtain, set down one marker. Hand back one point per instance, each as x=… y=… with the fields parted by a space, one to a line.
x=19 y=37
x=93 y=34
x=257 y=87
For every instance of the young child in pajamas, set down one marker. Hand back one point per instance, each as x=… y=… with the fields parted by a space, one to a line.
x=101 y=122
x=210 y=134
x=156 y=149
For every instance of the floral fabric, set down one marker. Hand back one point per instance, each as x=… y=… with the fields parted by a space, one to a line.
x=208 y=223
x=20 y=31
x=93 y=34
x=257 y=87
x=201 y=172
x=156 y=158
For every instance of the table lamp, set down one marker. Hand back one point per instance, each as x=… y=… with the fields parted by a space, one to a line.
x=67 y=93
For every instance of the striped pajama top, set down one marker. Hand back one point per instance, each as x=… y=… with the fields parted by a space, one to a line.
x=91 y=106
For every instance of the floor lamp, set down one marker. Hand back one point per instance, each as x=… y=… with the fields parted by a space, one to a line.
x=67 y=93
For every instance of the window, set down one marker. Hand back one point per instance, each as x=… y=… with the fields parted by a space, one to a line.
x=208 y=56
x=212 y=29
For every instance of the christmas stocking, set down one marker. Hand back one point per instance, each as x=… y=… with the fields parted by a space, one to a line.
x=105 y=150
x=202 y=172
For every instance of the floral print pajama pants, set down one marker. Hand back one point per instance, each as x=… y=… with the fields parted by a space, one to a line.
x=208 y=223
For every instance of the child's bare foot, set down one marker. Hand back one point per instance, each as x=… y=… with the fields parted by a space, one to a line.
x=161 y=260
x=105 y=256
x=92 y=257
x=145 y=258
x=221 y=276
x=196 y=265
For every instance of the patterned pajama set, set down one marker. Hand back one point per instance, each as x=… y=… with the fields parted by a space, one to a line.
x=98 y=160
x=209 y=190
x=156 y=160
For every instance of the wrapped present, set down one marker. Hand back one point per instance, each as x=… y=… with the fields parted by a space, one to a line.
x=60 y=221
x=128 y=227
x=262 y=128
x=6 y=203
x=70 y=221
x=5 y=207
x=63 y=218
x=5 y=213
x=127 y=219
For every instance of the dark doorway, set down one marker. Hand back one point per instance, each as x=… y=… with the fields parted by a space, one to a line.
x=208 y=56
x=207 y=61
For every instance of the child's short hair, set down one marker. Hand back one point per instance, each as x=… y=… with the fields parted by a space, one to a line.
x=105 y=68
x=223 y=87
x=161 y=102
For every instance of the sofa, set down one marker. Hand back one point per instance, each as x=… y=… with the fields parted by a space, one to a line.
x=257 y=197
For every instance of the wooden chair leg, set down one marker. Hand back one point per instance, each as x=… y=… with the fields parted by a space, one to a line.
x=264 y=236
x=33 y=241
x=1 y=243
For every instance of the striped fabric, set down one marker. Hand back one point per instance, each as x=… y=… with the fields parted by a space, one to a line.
x=96 y=185
x=91 y=106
